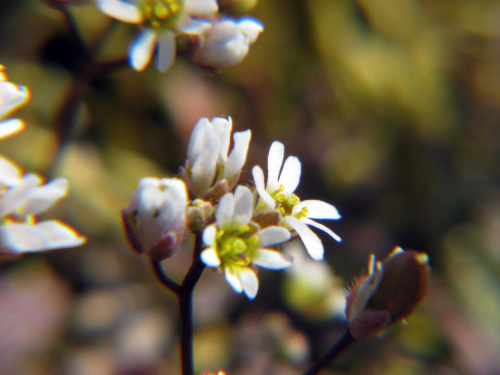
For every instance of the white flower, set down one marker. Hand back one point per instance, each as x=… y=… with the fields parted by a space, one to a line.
x=155 y=220
x=282 y=180
x=22 y=197
x=236 y=245
x=12 y=96
x=227 y=42
x=161 y=20
x=208 y=161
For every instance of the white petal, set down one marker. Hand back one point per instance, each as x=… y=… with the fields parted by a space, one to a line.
x=204 y=167
x=166 y=51
x=273 y=235
x=238 y=154
x=290 y=175
x=210 y=257
x=249 y=282
x=10 y=173
x=209 y=235
x=141 y=50
x=225 y=210
x=274 y=163
x=309 y=238
x=258 y=177
x=196 y=139
x=10 y=127
x=317 y=209
x=193 y=26
x=222 y=127
x=243 y=205
x=234 y=281
x=47 y=235
x=121 y=10
x=201 y=7
x=272 y=259
x=42 y=197
x=12 y=96
x=323 y=228
x=251 y=28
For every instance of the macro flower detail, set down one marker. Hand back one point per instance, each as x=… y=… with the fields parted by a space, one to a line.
x=227 y=42
x=208 y=163
x=22 y=197
x=12 y=96
x=160 y=20
x=155 y=220
x=236 y=246
x=278 y=194
x=388 y=293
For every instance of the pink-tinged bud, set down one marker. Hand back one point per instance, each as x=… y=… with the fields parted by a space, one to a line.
x=155 y=220
x=388 y=293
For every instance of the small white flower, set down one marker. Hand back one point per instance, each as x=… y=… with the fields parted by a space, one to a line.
x=161 y=20
x=155 y=220
x=12 y=96
x=236 y=245
x=22 y=197
x=227 y=42
x=282 y=180
x=208 y=161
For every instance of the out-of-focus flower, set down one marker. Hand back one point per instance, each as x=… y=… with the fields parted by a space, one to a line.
x=312 y=287
x=227 y=42
x=12 y=96
x=236 y=245
x=22 y=197
x=155 y=220
x=210 y=171
x=278 y=194
x=388 y=293
x=161 y=20
x=220 y=372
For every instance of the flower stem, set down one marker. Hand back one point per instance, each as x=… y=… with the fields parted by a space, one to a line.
x=186 y=308
x=344 y=342
x=164 y=279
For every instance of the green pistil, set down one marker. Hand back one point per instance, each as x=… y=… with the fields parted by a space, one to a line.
x=236 y=246
x=162 y=14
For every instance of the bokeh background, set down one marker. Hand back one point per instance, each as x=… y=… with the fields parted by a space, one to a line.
x=393 y=107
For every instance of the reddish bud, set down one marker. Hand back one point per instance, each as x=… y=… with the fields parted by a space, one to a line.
x=388 y=293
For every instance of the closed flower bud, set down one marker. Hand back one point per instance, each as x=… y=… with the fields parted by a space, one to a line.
x=155 y=220
x=388 y=293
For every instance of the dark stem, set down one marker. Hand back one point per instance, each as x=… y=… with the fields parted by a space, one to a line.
x=186 y=308
x=344 y=342
x=164 y=279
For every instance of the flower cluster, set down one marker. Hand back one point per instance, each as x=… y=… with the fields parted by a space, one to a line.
x=214 y=39
x=23 y=196
x=238 y=226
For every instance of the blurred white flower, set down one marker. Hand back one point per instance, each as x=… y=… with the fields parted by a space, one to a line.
x=161 y=20
x=227 y=42
x=155 y=220
x=21 y=198
x=282 y=180
x=12 y=96
x=236 y=245
x=208 y=161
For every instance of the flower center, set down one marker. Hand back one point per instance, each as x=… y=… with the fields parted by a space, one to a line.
x=162 y=14
x=285 y=204
x=236 y=246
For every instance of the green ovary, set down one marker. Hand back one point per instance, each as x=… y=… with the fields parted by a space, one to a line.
x=235 y=249
x=162 y=14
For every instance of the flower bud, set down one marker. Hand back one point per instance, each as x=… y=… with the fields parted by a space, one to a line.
x=227 y=42
x=155 y=220
x=388 y=293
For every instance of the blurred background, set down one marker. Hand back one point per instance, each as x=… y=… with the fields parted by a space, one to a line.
x=393 y=107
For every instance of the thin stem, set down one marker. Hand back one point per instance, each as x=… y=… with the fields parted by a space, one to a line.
x=164 y=279
x=186 y=308
x=344 y=342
